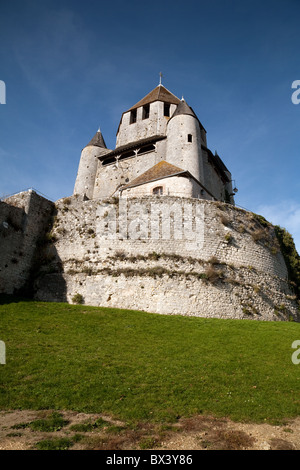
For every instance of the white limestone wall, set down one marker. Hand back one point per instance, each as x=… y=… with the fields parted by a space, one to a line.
x=24 y=220
x=110 y=177
x=143 y=128
x=181 y=186
x=167 y=272
x=180 y=152
x=87 y=170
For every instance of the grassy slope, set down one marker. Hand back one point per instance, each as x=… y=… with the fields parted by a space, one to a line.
x=136 y=365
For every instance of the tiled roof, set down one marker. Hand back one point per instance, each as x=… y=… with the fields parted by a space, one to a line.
x=160 y=93
x=97 y=140
x=162 y=169
x=183 y=108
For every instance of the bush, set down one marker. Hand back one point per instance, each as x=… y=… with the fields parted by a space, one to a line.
x=225 y=220
x=291 y=257
x=77 y=299
x=212 y=274
x=258 y=235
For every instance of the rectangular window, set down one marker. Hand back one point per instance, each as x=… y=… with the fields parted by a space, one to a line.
x=190 y=138
x=146 y=111
x=167 y=109
x=133 y=116
x=158 y=191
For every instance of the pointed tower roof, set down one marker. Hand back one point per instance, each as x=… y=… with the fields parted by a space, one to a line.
x=160 y=93
x=184 y=108
x=97 y=140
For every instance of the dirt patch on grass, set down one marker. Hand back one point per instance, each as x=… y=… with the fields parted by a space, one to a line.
x=26 y=430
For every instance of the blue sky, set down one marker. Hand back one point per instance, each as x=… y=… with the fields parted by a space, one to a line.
x=72 y=66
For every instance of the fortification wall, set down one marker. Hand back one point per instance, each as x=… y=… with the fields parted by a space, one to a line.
x=166 y=255
x=24 y=220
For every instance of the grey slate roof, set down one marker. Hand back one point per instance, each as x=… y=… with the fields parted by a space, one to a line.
x=97 y=140
x=183 y=108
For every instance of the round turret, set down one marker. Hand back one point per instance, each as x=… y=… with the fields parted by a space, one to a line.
x=88 y=164
x=184 y=141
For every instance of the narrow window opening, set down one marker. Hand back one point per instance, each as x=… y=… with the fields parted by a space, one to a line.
x=190 y=138
x=167 y=109
x=158 y=191
x=133 y=116
x=146 y=111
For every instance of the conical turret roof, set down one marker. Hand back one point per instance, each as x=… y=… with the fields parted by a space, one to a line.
x=160 y=93
x=97 y=140
x=183 y=108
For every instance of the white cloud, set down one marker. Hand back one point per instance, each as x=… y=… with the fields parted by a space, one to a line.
x=286 y=214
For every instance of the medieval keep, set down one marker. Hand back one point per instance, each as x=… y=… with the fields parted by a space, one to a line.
x=151 y=225
x=161 y=149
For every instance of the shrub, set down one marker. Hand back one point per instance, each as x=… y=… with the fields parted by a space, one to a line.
x=261 y=220
x=291 y=257
x=212 y=274
x=228 y=237
x=77 y=299
x=51 y=237
x=225 y=220
x=121 y=255
x=258 y=235
x=154 y=256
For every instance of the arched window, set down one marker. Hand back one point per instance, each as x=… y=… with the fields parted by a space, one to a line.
x=158 y=191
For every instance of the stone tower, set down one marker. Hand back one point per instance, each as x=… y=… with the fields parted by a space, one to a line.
x=88 y=164
x=161 y=149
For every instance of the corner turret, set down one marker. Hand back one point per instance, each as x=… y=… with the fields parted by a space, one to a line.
x=184 y=141
x=88 y=165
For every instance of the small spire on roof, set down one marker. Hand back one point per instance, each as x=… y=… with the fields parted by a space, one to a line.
x=160 y=77
x=182 y=99
x=99 y=129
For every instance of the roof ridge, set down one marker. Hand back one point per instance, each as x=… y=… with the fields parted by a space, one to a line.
x=159 y=93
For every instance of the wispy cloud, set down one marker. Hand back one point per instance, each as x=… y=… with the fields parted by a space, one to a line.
x=286 y=214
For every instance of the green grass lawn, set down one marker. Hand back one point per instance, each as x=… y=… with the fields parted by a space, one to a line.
x=142 y=366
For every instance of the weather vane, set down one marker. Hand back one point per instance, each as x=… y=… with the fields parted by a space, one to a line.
x=160 y=76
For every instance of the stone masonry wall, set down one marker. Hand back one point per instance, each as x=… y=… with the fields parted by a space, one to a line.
x=166 y=255
x=24 y=220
